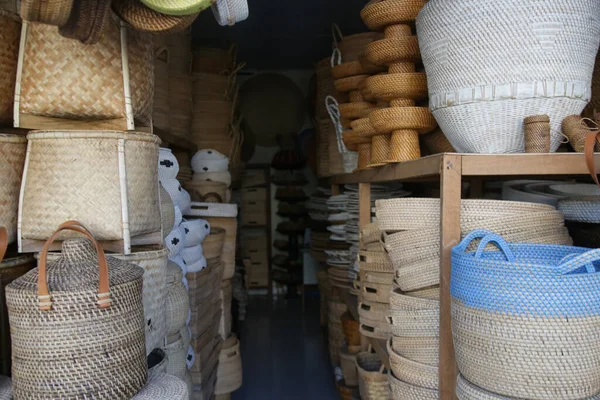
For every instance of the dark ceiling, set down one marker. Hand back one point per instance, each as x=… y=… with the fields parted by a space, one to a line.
x=284 y=34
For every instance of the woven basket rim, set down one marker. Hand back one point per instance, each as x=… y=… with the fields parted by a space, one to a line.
x=101 y=134
x=9 y=138
x=16 y=261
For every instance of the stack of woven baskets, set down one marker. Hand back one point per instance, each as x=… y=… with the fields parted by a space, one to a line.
x=338 y=249
x=541 y=297
x=350 y=69
x=211 y=181
x=411 y=237
x=347 y=354
x=214 y=92
x=335 y=329
x=376 y=276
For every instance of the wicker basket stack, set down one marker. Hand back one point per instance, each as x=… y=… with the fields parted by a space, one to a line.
x=411 y=239
x=394 y=130
x=350 y=69
x=334 y=327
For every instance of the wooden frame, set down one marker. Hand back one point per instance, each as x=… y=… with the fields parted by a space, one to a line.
x=450 y=169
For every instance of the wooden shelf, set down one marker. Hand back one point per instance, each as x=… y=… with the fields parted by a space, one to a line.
x=175 y=141
x=450 y=169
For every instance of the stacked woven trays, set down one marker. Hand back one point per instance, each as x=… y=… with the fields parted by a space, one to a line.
x=338 y=249
x=334 y=327
x=350 y=68
x=411 y=238
x=393 y=131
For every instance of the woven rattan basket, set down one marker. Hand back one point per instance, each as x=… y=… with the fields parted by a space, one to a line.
x=351 y=329
x=12 y=153
x=62 y=300
x=178 y=307
x=46 y=94
x=213 y=243
x=372 y=378
x=348 y=365
x=161 y=106
x=413 y=372
x=157 y=362
x=10 y=30
x=229 y=372
x=226 y=295
x=406 y=391
x=176 y=353
x=163 y=386
x=423 y=350
x=206 y=191
x=110 y=184
x=412 y=316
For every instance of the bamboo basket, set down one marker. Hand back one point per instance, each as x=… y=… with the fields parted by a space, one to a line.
x=120 y=66
x=12 y=154
x=116 y=172
x=10 y=31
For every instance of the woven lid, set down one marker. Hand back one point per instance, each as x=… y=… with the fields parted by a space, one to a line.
x=146 y=19
x=77 y=269
x=177 y=7
x=163 y=386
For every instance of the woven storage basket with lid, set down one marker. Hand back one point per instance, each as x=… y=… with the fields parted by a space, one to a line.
x=108 y=172
x=163 y=386
x=84 y=306
x=372 y=377
x=557 y=314
x=12 y=153
x=542 y=58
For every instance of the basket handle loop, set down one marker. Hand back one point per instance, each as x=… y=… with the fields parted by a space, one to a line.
x=44 y=297
x=499 y=242
x=590 y=143
x=3 y=242
x=574 y=261
x=336 y=57
x=336 y=33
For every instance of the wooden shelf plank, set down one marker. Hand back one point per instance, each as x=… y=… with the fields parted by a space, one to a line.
x=475 y=165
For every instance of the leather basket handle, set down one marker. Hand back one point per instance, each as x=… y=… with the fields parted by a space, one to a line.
x=3 y=242
x=590 y=143
x=45 y=300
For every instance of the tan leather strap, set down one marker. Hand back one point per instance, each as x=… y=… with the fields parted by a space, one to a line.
x=103 y=287
x=590 y=143
x=3 y=242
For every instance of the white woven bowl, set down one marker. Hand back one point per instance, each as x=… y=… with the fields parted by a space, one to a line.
x=530 y=58
x=198 y=266
x=209 y=160
x=195 y=231
x=175 y=191
x=175 y=241
x=168 y=166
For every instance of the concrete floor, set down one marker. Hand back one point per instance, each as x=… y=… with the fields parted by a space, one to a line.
x=284 y=353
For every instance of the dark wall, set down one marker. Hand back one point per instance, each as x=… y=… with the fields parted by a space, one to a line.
x=284 y=34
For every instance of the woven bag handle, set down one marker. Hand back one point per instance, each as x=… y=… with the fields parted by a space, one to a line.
x=336 y=33
x=590 y=143
x=44 y=297
x=499 y=242
x=573 y=262
x=3 y=242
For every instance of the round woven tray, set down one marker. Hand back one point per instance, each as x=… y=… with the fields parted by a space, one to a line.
x=354 y=68
x=357 y=110
x=406 y=391
x=398 y=118
x=398 y=86
x=391 y=50
x=379 y=14
x=146 y=19
x=349 y=84
x=412 y=372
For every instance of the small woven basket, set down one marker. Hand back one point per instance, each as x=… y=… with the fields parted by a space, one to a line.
x=348 y=365
x=372 y=378
x=406 y=391
x=537 y=134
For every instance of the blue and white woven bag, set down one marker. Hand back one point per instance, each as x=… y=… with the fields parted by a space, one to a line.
x=526 y=318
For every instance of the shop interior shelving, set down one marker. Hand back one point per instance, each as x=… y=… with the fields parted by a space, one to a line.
x=451 y=170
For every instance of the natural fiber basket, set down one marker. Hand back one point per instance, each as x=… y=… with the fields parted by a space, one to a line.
x=481 y=108
x=145 y=19
x=350 y=327
x=6 y=388
x=387 y=87
x=12 y=153
x=178 y=307
x=391 y=49
x=374 y=262
x=375 y=329
x=413 y=372
x=424 y=350
x=388 y=120
x=10 y=269
x=82 y=295
x=154 y=264
x=229 y=372
x=348 y=365
x=556 y=314
x=54 y=12
x=406 y=391
x=372 y=378
x=206 y=191
x=45 y=93
x=581 y=209
x=412 y=316
x=176 y=354
x=10 y=30
x=370 y=233
x=213 y=243
x=163 y=386
x=123 y=201
x=378 y=292
x=379 y=14
x=157 y=362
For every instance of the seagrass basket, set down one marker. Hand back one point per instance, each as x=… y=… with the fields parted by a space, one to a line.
x=163 y=386
x=12 y=154
x=110 y=184
x=229 y=372
x=85 y=305
x=372 y=377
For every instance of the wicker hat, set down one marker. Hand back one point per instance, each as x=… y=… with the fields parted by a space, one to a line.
x=87 y=21
x=146 y=19
x=51 y=12
x=177 y=7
